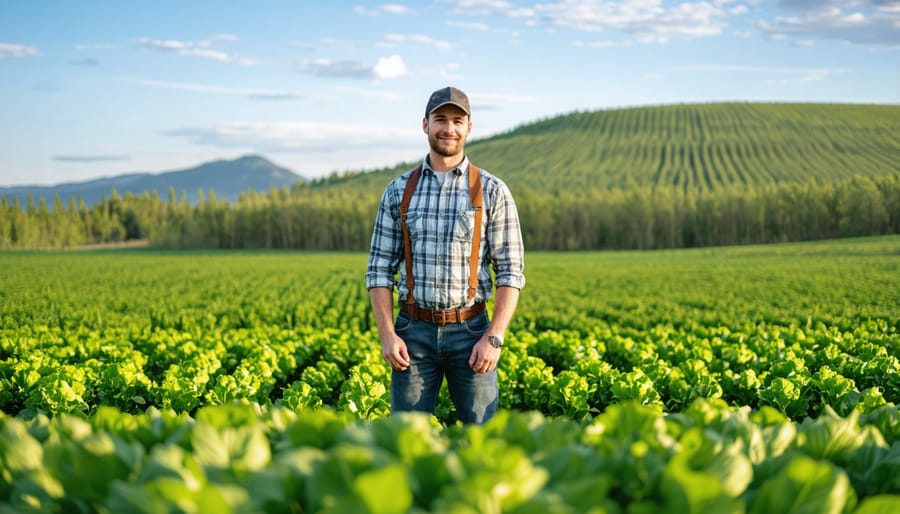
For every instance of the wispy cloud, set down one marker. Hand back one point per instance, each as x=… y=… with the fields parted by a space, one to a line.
x=290 y=135
x=381 y=9
x=601 y=44
x=257 y=94
x=85 y=62
x=418 y=39
x=201 y=49
x=863 y=22
x=498 y=100
x=90 y=158
x=94 y=46
x=489 y=8
x=860 y=22
x=12 y=50
x=781 y=75
x=385 y=68
x=648 y=21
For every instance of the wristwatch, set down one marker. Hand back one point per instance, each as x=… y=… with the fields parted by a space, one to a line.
x=496 y=341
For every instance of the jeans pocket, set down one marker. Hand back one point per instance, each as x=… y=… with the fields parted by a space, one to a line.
x=478 y=325
x=402 y=323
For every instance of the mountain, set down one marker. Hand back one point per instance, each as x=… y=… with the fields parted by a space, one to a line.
x=692 y=147
x=227 y=178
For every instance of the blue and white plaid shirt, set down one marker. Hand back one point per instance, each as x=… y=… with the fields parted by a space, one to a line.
x=441 y=223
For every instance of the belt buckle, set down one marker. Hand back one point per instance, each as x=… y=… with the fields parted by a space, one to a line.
x=439 y=317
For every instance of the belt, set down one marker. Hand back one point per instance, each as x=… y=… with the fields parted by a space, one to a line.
x=443 y=316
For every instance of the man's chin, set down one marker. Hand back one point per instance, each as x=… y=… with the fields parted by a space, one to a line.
x=447 y=151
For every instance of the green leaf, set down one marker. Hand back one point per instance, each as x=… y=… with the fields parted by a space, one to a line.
x=834 y=438
x=881 y=504
x=19 y=451
x=230 y=415
x=172 y=461
x=690 y=492
x=707 y=452
x=334 y=477
x=240 y=449
x=372 y=486
x=318 y=428
x=805 y=486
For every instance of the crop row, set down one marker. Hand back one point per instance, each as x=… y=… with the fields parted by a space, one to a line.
x=239 y=458
x=797 y=371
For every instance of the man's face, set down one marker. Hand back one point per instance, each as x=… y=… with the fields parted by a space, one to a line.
x=447 y=129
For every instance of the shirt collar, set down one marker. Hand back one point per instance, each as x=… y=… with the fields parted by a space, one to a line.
x=464 y=165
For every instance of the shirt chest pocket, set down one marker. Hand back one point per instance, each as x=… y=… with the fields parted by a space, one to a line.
x=463 y=226
x=417 y=224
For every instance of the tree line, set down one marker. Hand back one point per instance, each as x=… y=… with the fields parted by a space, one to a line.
x=308 y=218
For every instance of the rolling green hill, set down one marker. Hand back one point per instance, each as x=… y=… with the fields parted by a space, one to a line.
x=701 y=147
x=642 y=178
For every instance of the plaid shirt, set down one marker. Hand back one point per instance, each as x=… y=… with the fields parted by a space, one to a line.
x=441 y=223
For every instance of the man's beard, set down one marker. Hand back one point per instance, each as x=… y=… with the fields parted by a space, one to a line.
x=446 y=148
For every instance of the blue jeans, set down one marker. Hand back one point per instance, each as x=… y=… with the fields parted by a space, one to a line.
x=438 y=351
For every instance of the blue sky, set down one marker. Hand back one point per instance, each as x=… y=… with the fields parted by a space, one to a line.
x=100 y=88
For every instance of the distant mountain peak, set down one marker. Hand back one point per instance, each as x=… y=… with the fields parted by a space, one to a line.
x=228 y=178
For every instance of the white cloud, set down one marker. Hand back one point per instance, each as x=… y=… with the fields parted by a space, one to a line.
x=866 y=22
x=489 y=7
x=385 y=68
x=601 y=44
x=258 y=94
x=393 y=8
x=782 y=75
x=648 y=21
x=497 y=101
x=94 y=46
x=10 y=50
x=196 y=49
x=292 y=135
x=381 y=9
x=861 y=22
x=449 y=71
x=389 y=67
x=481 y=27
x=419 y=38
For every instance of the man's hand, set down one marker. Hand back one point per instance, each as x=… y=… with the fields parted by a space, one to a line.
x=394 y=351
x=484 y=356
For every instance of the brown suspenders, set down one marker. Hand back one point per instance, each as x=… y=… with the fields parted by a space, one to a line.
x=476 y=196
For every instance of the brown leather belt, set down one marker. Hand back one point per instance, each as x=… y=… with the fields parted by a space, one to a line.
x=444 y=316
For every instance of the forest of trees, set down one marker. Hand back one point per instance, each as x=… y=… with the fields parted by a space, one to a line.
x=643 y=217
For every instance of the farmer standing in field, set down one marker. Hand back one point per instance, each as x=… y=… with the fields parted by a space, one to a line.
x=442 y=225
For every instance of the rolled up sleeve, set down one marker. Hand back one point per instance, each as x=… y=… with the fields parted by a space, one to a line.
x=387 y=243
x=505 y=239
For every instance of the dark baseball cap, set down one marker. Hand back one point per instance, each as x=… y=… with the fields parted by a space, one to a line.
x=448 y=95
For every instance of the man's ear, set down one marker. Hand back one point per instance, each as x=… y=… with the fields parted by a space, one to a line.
x=425 y=124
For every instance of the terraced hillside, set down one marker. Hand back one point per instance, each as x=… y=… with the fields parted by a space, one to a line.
x=701 y=147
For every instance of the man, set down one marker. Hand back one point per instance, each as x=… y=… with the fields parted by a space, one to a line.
x=429 y=220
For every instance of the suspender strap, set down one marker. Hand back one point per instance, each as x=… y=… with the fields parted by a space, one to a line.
x=475 y=194
x=407 y=245
x=477 y=198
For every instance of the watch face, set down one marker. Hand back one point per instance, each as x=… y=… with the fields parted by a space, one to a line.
x=497 y=342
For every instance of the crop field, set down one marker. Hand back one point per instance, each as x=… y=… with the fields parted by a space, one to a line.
x=760 y=379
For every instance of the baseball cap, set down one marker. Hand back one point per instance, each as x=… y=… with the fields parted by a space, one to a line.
x=448 y=95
